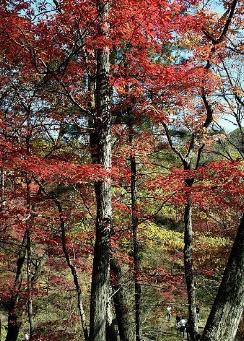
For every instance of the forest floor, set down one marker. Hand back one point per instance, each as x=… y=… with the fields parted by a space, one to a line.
x=168 y=332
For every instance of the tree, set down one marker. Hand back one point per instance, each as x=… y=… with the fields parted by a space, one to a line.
x=102 y=155
x=70 y=73
x=227 y=309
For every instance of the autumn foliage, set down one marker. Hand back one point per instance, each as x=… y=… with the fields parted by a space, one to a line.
x=169 y=89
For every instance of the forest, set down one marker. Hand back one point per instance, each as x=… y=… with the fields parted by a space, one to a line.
x=121 y=170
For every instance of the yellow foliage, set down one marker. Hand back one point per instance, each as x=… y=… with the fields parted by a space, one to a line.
x=208 y=242
x=154 y=235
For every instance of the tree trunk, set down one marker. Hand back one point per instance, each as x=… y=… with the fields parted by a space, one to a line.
x=29 y=286
x=73 y=271
x=14 y=321
x=14 y=306
x=29 y=223
x=2 y=188
x=111 y=329
x=227 y=309
x=189 y=275
x=134 y=228
x=68 y=261
x=101 y=154
x=13 y=325
x=120 y=306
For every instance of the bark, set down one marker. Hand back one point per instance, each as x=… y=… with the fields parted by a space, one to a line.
x=14 y=305
x=29 y=222
x=121 y=309
x=14 y=318
x=111 y=329
x=100 y=141
x=189 y=275
x=14 y=325
x=188 y=232
x=2 y=186
x=227 y=309
x=134 y=228
x=29 y=284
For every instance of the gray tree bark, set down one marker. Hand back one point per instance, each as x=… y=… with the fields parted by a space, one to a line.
x=224 y=318
x=134 y=230
x=111 y=329
x=29 y=222
x=121 y=309
x=101 y=154
x=189 y=275
x=14 y=315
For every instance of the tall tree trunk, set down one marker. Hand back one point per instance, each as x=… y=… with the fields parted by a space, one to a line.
x=120 y=306
x=134 y=228
x=188 y=263
x=29 y=222
x=228 y=306
x=101 y=153
x=111 y=328
x=14 y=325
x=14 y=318
x=14 y=305
x=2 y=188
x=29 y=286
